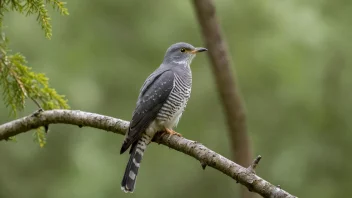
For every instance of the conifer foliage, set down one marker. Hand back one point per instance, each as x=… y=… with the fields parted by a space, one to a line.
x=18 y=82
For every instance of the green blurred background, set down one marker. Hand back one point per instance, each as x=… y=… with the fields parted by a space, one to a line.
x=292 y=61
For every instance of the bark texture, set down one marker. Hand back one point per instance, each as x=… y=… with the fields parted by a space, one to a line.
x=226 y=84
x=245 y=176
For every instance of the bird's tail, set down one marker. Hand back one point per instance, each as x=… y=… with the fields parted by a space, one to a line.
x=128 y=183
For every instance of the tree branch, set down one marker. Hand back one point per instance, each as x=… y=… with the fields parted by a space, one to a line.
x=226 y=83
x=198 y=151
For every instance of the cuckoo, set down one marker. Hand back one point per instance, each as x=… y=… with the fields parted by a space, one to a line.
x=161 y=102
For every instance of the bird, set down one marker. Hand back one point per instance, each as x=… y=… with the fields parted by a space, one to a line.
x=160 y=104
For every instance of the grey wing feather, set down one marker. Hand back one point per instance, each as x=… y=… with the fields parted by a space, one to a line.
x=151 y=78
x=151 y=99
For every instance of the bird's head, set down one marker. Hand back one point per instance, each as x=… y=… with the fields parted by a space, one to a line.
x=182 y=53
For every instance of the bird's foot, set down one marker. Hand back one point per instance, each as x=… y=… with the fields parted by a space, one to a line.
x=172 y=132
x=168 y=132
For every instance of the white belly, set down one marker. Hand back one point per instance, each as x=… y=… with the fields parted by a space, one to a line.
x=158 y=125
x=176 y=117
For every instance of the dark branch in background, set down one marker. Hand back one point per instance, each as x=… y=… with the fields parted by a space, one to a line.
x=226 y=83
x=206 y=156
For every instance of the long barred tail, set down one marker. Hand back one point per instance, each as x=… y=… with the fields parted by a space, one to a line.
x=128 y=183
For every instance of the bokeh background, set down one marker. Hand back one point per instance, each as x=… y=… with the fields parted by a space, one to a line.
x=292 y=61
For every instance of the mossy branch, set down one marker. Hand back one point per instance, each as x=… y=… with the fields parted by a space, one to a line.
x=17 y=81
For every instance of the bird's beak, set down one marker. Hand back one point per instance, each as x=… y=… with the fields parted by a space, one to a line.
x=199 y=49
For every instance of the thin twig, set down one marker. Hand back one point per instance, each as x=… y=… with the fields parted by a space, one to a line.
x=254 y=164
x=46 y=127
x=36 y=103
x=20 y=84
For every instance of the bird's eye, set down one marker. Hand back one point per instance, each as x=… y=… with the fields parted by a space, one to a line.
x=183 y=49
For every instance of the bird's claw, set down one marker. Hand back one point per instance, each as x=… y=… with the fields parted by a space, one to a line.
x=172 y=132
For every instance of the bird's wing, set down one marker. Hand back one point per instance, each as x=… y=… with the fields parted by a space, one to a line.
x=151 y=99
x=151 y=78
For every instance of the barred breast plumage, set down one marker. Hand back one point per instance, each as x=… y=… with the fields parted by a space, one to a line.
x=172 y=109
x=161 y=102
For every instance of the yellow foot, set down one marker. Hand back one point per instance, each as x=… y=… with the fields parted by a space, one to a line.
x=172 y=132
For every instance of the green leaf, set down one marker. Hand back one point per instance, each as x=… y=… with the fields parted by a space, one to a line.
x=18 y=82
x=39 y=136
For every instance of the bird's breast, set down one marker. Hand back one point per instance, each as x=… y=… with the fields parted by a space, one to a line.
x=172 y=109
